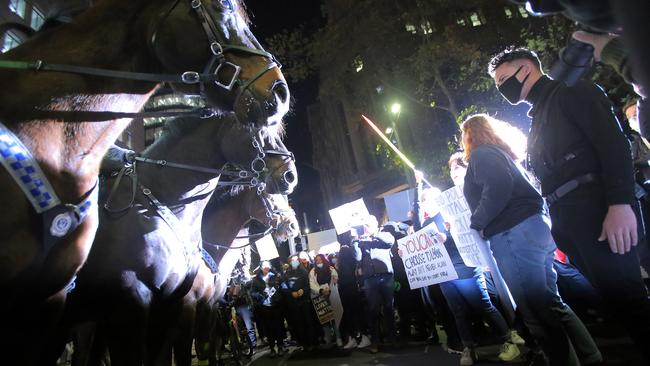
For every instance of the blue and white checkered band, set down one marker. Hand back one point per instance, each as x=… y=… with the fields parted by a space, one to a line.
x=22 y=166
x=209 y=261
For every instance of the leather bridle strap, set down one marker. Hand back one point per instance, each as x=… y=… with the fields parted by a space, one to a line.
x=165 y=163
x=188 y=77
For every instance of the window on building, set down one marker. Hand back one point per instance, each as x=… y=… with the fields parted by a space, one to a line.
x=522 y=11
x=461 y=22
x=477 y=19
x=37 y=18
x=508 y=12
x=10 y=41
x=411 y=28
x=426 y=27
x=357 y=64
x=19 y=7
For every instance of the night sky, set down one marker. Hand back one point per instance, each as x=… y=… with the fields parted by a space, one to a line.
x=270 y=17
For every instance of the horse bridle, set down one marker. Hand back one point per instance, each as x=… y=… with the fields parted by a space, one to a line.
x=218 y=46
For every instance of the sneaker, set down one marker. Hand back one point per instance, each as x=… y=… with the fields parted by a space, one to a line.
x=365 y=342
x=509 y=352
x=451 y=350
x=351 y=343
x=466 y=357
x=516 y=338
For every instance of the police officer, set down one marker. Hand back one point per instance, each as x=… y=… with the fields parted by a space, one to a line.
x=582 y=159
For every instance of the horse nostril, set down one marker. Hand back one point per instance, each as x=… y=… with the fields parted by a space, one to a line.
x=281 y=91
x=293 y=226
x=289 y=177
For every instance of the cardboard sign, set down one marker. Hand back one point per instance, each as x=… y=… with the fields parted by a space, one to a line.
x=348 y=215
x=455 y=210
x=425 y=258
x=266 y=248
x=323 y=308
x=399 y=204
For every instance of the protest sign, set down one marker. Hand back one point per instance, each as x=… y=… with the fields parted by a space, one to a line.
x=323 y=308
x=266 y=248
x=425 y=258
x=348 y=215
x=455 y=210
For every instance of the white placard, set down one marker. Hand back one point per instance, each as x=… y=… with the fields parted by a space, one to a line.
x=455 y=210
x=425 y=259
x=348 y=215
x=266 y=248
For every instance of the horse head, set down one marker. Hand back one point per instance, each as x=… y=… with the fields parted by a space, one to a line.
x=284 y=218
x=214 y=36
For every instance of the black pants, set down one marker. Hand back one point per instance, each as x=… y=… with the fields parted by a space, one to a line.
x=577 y=224
x=271 y=318
x=301 y=318
x=353 y=320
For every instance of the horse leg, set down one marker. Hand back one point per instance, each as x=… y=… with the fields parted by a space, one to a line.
x=126 y=333
x=183 y=341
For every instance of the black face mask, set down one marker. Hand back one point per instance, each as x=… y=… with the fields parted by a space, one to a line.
x=511 y=88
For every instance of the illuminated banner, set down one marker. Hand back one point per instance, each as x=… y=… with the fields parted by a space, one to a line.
x=455 y=210
x=426 y=260
x=348 y=215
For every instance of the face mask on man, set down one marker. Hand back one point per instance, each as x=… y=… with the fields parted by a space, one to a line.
x=511 y=88
x=295 y=264
x=319 y=265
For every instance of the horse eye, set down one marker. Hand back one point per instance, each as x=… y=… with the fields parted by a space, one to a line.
x=228 y=4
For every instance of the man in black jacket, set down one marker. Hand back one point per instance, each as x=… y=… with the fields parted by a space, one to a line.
x=582 y=159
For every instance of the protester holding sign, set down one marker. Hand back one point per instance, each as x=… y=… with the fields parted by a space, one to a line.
x=372 y=249
x=322 y=281
x=266 y=297
x=508 y=211
x=467 y=296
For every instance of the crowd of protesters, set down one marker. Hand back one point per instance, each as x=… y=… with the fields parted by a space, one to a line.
x=563 y=216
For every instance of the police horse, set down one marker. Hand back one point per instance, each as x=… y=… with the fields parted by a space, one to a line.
x=69 y=92
x=146 y=252
x=225 y=217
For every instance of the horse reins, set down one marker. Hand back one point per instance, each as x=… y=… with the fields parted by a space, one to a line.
x=218 y=47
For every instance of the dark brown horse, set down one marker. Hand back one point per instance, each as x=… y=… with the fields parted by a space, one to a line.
x=144 y=258
x=172 y=37
x=224 y=217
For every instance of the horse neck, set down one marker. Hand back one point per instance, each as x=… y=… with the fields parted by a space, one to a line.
x=223 y=220
x=70 y=153
x=111 y=35
x=173 y=186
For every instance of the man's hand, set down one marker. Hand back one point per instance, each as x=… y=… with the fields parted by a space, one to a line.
x=295 y=294
x=598 y=41
x=300 y=292
x=619 y=229
x=418 y=176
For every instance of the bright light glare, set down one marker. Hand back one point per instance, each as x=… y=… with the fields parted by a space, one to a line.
x=396 y=108
x=389 y=131
x=307 y=230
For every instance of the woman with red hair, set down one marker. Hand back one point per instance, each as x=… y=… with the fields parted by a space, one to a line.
x=508 y=211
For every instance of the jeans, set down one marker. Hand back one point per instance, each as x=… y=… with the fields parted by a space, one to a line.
x=247 y=316
x=577 y=223
x=524 y=255
x=379 y=292
x=468 y=297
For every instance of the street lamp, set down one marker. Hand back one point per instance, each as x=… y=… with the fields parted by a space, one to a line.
x=396 y=108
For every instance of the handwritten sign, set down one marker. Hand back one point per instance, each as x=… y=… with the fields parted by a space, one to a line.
x=323 y=308
x=426 y=260
x=456 y=211
x=348 y=215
